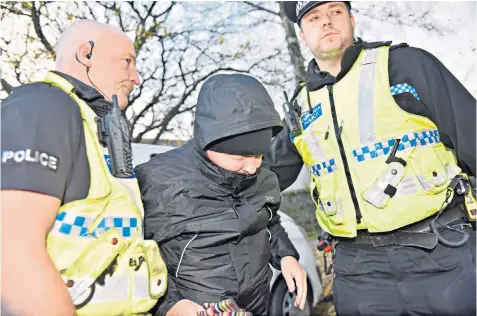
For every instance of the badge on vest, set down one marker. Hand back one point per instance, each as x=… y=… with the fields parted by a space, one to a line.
x=308 y=118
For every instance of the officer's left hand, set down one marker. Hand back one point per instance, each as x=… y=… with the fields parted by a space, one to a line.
x=293 y=274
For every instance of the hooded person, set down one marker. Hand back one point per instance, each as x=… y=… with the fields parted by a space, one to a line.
x=213 y=208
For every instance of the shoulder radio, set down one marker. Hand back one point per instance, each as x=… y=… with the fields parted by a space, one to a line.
x=113 y=132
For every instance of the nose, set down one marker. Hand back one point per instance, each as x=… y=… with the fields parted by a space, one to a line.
x=325 y=20
x=251 y=164
x=134 y=78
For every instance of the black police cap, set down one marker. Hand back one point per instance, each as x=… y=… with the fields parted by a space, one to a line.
x=295 y=10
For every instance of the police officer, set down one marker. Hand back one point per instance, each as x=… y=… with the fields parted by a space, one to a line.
x=72 y=240
x=388 y=135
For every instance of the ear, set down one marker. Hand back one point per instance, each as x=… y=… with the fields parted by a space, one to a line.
x=353 y=23
x=302 y=37
x=81 y=52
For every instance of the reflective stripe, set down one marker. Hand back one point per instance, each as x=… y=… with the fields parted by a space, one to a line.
x=392 y=176
x=182 y=255
x=79 y=291
x=411 y=139
x=141 y=287
x=313 y=144
x=271 y=216
x=324 y=167
x=366 y=97
x=402 y=88
x=68 y=223
x=115 y=288
x=451 y=170
x=406 y=186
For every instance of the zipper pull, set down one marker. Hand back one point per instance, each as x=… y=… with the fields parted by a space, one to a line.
x=327 y=132
x=341 y=127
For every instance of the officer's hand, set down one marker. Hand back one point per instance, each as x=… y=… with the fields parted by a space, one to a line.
x=293 y=274
x=185 y=308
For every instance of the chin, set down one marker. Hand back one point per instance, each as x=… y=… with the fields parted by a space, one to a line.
x=123 y=101
x=123 y=105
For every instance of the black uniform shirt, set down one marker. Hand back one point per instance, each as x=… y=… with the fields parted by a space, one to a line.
x=43 y=145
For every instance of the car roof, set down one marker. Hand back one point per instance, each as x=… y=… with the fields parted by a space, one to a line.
x=142 y=152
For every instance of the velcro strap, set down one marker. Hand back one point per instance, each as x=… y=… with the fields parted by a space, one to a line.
x=390 y=190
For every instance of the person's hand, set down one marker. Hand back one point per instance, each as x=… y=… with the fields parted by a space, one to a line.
x=185 y=308
x=293 y=274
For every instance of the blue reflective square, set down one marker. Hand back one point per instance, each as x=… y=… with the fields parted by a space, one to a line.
x=118 y=222
x=378 y=146
x=79 y=221
x=374 y=154
x=102 y=224
x=365 y=150
x=133 y=222
x=65 y=228
x=61 y=216
x=84 y=231
x=126 y=232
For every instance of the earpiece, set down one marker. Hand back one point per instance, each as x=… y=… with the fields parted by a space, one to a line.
x=90 y=53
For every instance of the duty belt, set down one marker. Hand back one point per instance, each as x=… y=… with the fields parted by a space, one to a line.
x=417 y=234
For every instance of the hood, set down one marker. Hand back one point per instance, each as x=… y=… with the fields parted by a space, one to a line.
x=232 y=104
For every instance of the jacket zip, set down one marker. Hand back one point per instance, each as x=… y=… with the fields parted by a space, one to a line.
x=182 y=255
x=343 y=155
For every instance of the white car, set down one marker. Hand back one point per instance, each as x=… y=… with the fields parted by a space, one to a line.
x=281 y=301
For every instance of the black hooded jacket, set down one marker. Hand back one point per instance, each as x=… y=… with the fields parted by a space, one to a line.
x=218 y=230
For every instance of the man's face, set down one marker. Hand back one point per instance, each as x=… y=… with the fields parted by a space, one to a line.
x=236 y=163
x=327 y=30
x=114 y=66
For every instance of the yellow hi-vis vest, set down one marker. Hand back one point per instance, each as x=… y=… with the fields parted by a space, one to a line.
x=346 y=142
x=97 y=243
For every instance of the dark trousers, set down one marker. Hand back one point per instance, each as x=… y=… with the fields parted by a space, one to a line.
x=399 y=280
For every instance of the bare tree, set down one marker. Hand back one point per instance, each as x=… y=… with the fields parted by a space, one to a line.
x=179 y=45
x=294 y=52
x=174 y=56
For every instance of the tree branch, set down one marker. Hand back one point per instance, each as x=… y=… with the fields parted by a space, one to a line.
x=13 y=10
x=6 y=86
x=258 y=7
x=36 y=23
